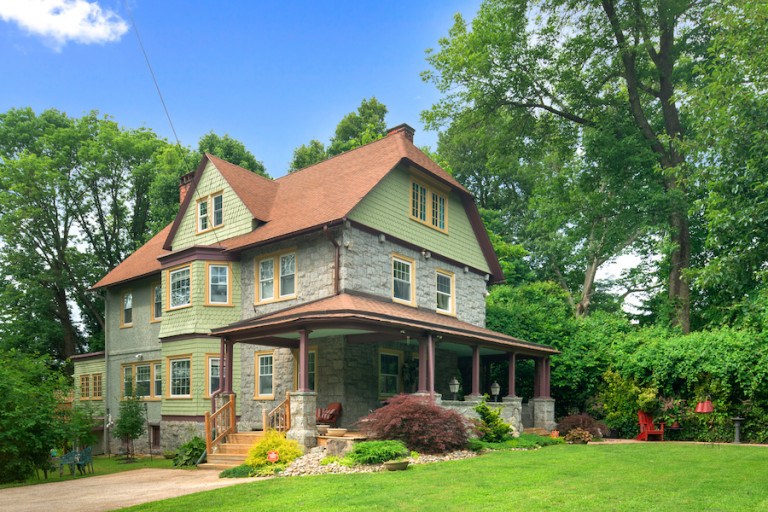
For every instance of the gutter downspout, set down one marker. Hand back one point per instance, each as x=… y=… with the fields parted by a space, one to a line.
x=336 y=260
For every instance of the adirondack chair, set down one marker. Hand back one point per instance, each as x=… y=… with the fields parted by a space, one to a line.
x=648 y=431
x=328 y=415
x=68 y=459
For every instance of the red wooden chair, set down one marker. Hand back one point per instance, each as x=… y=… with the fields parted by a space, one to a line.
x=328 y=415
x=648 y=431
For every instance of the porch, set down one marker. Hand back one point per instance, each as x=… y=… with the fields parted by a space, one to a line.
x=364 y=349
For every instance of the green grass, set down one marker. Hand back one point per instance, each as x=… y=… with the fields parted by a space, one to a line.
x=101 y=466
x=647 y=477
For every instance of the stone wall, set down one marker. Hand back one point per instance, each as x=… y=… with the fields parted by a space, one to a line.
x=367 y=267
x=175 y=433
x=509 y=408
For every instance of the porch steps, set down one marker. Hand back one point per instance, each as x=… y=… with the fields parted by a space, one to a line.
x=233 y=451
x=537 y=431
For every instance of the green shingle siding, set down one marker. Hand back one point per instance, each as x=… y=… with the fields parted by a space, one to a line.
x=237 y=219
x=387 y=209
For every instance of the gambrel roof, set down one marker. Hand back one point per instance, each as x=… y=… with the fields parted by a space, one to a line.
x=320 y=195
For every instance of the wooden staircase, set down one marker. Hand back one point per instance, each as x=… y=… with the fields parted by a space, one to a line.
x=232 y=451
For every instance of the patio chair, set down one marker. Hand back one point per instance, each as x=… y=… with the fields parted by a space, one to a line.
x=68 y=459
x=85 y=461
x=328 y=415
x=648 y=431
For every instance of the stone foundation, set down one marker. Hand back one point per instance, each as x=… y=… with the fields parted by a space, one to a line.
x=510 y=409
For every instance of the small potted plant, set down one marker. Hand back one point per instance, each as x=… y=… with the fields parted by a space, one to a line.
x=578 y=436
x=396 y=465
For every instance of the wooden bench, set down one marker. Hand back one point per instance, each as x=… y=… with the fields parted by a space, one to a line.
x=649 y=431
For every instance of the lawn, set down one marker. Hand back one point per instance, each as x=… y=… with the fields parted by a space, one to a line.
x=102 y=465
x=600 y=476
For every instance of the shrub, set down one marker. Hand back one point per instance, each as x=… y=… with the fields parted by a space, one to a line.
x=376 y=452
x=524 y=442
x=578 y=435
x=491 y=427
x=419 y=423
x=582 y=421
x=241 y=471
x=287 y=449
x=189 y=453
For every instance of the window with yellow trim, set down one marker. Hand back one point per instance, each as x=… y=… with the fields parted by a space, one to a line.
x=210 y=212
x=312 y=373
x=96 y=389
x=180 y=377
x=444 y=286
x=213 y=377
x=126 y=310
x=218 y=292
x=139 y=380
x=157 y=303
x=85 y=387
x=403 y=280
x=264 y=363
x=277 y=277
x=429 y=206
x=179 y=287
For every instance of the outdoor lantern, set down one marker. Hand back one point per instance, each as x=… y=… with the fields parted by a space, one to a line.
x=704 y=407
x=495 y=388
x=454 y=387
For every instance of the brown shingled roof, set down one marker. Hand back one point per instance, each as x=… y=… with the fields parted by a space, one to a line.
x=141 y=263
x=374 y=311
x=307 y=199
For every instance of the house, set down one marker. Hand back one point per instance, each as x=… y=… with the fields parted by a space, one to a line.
x=349 y=281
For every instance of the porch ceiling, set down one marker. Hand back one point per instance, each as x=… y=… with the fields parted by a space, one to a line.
x=362 y=316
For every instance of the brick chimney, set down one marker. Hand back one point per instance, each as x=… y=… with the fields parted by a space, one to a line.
x=402 y=128
x=184 y=183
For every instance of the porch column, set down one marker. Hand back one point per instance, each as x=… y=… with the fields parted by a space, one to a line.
x=545 y=391
x=537 y=377
x=304 y=360
x=431 y=350
x=475 y=371
x=511 y=374
x=228 y=364
x=423 y=366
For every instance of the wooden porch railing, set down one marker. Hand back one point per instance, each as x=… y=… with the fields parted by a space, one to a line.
x=219 y=424
x=278 y=418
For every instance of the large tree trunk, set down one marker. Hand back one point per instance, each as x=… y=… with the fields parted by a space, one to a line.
x=582 y=308
x=679 y=292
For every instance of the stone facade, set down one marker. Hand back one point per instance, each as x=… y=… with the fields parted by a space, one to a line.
x=510 y=410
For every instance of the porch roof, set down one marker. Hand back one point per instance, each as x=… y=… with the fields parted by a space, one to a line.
x=371 y=314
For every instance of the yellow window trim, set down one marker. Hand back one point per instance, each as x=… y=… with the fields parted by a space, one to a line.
x=85 y=378
x=100 y=376
x=123 y=324
x=256 y=394
x=295 y=352
x=151 y=396
x=208 y=265
x=412 y=262
x=168 y=287
x=275 y=257
x=431 y=188
x=152 y=318
x=400 y=357
x=167 y=390
x=452 y=276
x=209 y=212
x=208 y=358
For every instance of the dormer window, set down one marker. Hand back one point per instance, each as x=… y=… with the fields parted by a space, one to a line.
x=210 y=212
x=429 y=205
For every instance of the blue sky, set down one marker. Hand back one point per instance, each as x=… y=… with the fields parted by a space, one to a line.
x=271 y=74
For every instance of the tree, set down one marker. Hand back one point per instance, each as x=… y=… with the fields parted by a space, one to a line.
x=29 y=423
x=359 y=128
x=587 y=65
x=231 y=150
x=308 y=154
x=130 y=424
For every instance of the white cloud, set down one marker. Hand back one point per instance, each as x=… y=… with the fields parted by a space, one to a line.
x=60 y=21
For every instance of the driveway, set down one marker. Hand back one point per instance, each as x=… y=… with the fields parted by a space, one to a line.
x=110 y=492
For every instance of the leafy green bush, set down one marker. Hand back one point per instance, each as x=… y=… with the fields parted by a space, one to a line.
x=287 y=450
x=376 y=452
x=189 y=453
x=524 y=442
x=491 y=427
x=241 y=471
x=131 y=424
x=578 y=435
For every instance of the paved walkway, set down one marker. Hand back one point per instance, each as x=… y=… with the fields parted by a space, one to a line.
x=110 y=492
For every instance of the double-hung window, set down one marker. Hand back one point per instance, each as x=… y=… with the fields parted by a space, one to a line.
x=180 y=289
x=158 y=380
x=126 y=315
x=181 y=379
x=429 y=205
x=445 y=292
x=157 y=302
x=389 y=373
x=277 y=277
x=202 y=215
x=128 y=381
x=264 y=372
x=218 y=210
x=403 y=280
x=214 y=374
x=143 y=376
x=218 y=284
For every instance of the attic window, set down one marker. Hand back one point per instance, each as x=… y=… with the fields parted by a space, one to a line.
x=202 y=215
x=210 y=212
x=429 y=205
